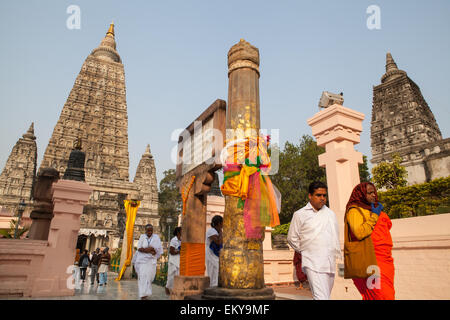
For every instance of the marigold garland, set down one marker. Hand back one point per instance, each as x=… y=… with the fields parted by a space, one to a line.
x=184 y=195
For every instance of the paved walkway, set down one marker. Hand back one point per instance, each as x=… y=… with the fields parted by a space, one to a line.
x=114 y=290
x=292 y=293
x=128 y=290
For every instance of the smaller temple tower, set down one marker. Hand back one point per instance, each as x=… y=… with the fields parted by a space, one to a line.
x=402 y=122
x=145 y=181
x=17 y=178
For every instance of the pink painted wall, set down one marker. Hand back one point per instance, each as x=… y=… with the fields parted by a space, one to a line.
x=20 y=262
x=69 y=197
x=40 y=268
x=421 y=255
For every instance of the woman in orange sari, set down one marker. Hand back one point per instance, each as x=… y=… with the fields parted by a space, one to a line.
x=375 y=224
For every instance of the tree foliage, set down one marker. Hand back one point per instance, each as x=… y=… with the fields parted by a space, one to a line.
x=281 y=229
x=298 y=167
x=420 y=199
x=9 y=233
x=390 y=175
x=364 y=173
x=169 y=202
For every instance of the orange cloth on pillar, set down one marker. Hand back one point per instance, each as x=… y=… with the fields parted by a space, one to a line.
x=382 y=242
x=192 y=259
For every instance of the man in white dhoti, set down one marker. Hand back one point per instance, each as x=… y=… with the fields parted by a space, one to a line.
x=174 y=259
x=212 y=248
x=149 y=249
x=314 y=233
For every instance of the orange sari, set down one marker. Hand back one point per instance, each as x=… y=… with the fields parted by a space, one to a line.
x=382 y=242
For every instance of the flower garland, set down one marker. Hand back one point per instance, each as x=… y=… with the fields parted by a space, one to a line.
x=184 y=195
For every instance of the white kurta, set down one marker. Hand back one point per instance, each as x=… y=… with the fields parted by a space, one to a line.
x=145 y=263
x=315 y=234
x=174 y=262
x=212 y=261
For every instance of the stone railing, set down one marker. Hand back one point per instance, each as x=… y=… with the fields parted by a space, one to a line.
x=41 y=268
x=278 y=264
x=20 y=262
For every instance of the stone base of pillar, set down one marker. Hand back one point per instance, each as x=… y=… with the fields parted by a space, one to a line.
x=218 y=293
x=40 y=226
x=184 y=286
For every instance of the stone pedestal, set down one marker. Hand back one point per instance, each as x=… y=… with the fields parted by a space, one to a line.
x=40 y=225
x=42 y=213
x=338 y=129
x=185 y=286
x=55 y=278
x=218 y=293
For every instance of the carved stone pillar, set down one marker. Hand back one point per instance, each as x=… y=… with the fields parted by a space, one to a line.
x=338 y=129
x=241 y=271
x=42 y=213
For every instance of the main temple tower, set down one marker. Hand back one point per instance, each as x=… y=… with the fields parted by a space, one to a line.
x=96 y=112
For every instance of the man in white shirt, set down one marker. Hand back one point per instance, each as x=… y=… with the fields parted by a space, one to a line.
x=213 y=245
x=314 y=233
x=149 y=249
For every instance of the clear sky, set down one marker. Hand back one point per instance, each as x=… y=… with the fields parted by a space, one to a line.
x=175 y=58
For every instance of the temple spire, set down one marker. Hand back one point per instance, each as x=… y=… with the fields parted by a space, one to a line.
x=30 y=133
x=392 y=71
x=111 y=29
x=390 y=63
x=107 y=49
x=147 y=150
x=31 y=128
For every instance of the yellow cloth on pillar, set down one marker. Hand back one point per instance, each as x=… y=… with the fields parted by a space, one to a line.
x=238 y=185
x=247 y=164
x=131 y=208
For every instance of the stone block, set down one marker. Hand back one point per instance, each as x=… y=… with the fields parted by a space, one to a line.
x=188 y=286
